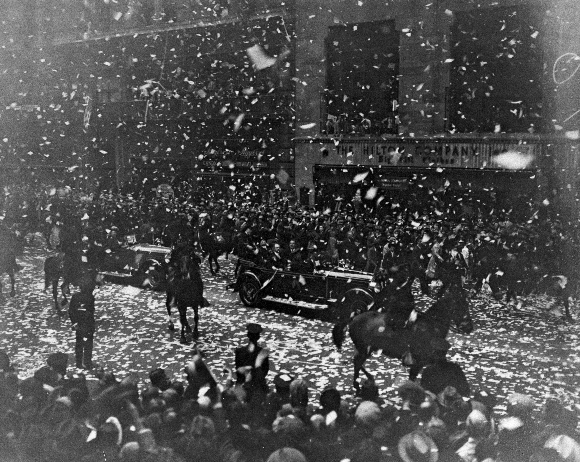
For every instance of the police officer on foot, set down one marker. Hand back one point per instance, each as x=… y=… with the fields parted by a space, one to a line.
x=252 y=365
x=82 y=315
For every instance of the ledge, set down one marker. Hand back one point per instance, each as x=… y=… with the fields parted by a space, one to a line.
x=167 y=27
x=443 y=137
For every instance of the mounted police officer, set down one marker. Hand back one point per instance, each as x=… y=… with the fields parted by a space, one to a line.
x=395 y=281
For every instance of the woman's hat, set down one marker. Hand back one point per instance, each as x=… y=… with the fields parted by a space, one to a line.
x=418 y=447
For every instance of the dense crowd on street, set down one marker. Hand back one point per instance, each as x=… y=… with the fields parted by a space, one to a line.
x=355 y=235
x=55 y=416
x=59 y=415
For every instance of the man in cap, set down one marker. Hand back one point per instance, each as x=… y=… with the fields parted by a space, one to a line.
x=82 y=315
x=252 y=364
x=55 y=370
x=279 y=397
x=443 y=373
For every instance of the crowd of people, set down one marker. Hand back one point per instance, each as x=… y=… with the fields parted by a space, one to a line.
x=59 y=415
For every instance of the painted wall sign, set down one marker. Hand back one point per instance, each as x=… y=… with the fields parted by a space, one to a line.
x=429 y=154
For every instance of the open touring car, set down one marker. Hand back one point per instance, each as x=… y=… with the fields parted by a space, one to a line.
x=338 y=291
x=142 y=264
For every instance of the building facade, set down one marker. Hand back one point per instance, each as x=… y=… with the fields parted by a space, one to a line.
x=428 y=93
x=301 y=95
x=146 y=91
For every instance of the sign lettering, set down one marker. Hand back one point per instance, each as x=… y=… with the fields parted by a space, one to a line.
x=430 y=154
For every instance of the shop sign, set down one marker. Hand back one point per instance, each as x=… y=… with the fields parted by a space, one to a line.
x=394 y=183
x=431 y=154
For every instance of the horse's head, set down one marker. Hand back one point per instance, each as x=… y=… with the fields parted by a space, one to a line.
x=460 y=315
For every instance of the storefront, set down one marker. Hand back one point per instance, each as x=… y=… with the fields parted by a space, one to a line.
x=394 y=168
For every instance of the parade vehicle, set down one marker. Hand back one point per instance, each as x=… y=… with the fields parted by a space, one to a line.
x=142 y=264
x=337 y=291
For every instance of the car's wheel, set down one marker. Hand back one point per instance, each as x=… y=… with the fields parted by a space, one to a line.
x=249 y=289
x=153 y=276
x=354 y=302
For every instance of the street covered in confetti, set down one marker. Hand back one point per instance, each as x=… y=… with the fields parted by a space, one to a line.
x=526 y=349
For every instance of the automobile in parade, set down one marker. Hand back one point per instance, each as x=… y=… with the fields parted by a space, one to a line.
x=142 y=264
x=337 y=291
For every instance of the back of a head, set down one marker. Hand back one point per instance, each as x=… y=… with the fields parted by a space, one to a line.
x=417 y=447
x=286 y=455
x=367 y=414
x=330 y=400
x=520 y=405
x=299 y=393
x=546 y=455
x=159 y=379
x=477 y=424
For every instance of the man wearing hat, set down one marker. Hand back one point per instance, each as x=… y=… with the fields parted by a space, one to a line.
x=82 y=315
x=279 y=397
x=443 y=373
x=252 y=364
x=55 y=370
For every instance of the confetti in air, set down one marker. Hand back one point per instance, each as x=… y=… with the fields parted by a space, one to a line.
x=260 y=60
x=513 y=160
x=359 y=177
x=238 y=122
x=307 y=126
x=371 y=193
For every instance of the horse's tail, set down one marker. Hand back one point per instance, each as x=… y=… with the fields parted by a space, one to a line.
x=339 y=332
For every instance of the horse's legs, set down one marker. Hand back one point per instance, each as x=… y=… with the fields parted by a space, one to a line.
x=185 y=327
x=12 y=283
x=168 y=302
x=414 y=372
x=64 y=288
x=367 y=373
x=55 y=294
x=566 y=301
x=196 y=320
x=47 y=281
x=358 y=362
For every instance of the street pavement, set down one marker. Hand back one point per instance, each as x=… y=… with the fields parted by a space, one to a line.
x=526 y=347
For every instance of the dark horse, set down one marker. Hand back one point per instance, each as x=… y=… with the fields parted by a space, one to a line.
x=214 y=244
x=71 y=268
x=9 y=247
x=371 y=331
x=184 y=288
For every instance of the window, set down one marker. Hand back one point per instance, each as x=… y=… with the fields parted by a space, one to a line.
x=496 y=73
x=362 y=75
x=109 y=90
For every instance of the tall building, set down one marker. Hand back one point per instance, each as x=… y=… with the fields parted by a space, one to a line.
x=145 y=91
x=426 y=94
x=321 y=98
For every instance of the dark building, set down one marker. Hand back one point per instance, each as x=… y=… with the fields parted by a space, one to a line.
x=299 y=94
x=142 y=92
